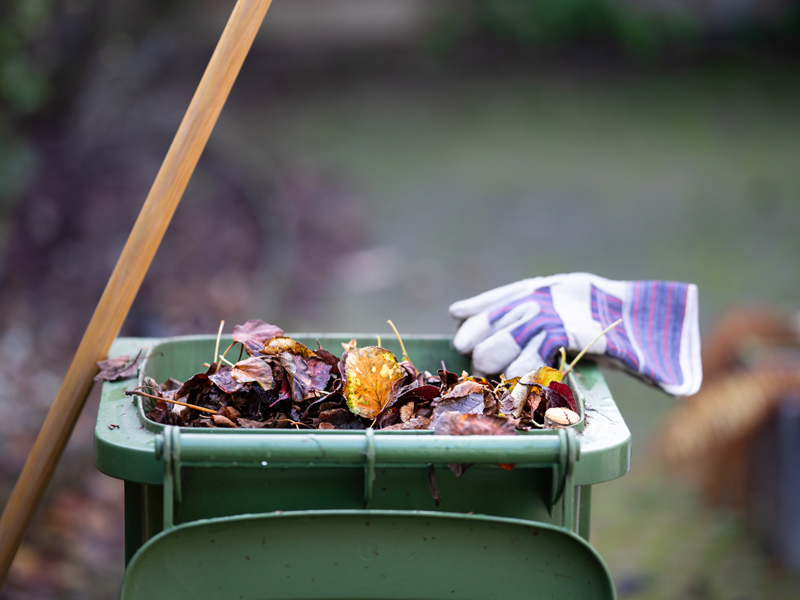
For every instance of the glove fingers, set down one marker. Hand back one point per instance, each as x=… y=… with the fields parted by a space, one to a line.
x=478 y=328
x=472 y=331
x=495 y=353
x=492 y=299
x=528 y=360
x=464 y=309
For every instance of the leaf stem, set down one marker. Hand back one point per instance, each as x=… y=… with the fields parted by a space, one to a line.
x=589 y=345
x=186 y=404
x=399 y=339
x=228 y=349
x=216 y=348
x=563 y=354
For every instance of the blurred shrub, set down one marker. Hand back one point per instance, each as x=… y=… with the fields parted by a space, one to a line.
x=25 y=83
x=551 y=24
x=635 y=29
x=25 y=56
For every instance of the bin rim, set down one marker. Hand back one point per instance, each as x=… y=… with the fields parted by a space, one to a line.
x=125 y=440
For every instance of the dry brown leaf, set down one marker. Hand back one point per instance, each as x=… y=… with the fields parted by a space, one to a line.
x=281 y=344
x=253 y=369
x=114 y=369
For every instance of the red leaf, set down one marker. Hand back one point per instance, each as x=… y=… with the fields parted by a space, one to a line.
x=254 y=333
x=224 y=381
x=565 y=392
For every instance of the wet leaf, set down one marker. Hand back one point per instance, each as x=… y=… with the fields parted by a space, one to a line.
x=253 y=369
x=221 y=421
x=420 y=395
x=319 y=371
x=253 y=334
x=328 y=357
x=341 y=418
x=170 y=385
x=161 y=413
x=448 y=379
x=194 y=385
x=465 y=388
x=508 y=405
x=564 y=392
x=554 y=399
x=114 y=369
x=465 y=397
x=302 y=384
x=225 y=381
x=370 y=375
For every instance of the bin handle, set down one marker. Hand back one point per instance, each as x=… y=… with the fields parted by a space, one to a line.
x=558 y=448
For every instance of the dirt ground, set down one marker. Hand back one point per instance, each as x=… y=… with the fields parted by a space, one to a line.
x=332 y=198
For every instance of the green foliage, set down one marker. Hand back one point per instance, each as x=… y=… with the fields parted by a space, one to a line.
x=25 y=69
x=558 y=23
x=25 y=57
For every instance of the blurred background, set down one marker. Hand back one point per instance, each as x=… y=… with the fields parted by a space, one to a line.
x=380 y=159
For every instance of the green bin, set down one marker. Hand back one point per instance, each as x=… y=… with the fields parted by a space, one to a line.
x=349 y=514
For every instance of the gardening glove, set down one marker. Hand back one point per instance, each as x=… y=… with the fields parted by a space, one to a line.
x=515 y=328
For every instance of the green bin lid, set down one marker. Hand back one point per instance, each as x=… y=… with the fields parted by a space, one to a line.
x=372 y=555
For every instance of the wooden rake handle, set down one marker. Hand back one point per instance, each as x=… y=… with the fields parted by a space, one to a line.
x=125 y=280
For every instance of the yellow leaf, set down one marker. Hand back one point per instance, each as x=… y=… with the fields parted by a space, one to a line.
x=546 y=374
x=370 y=374
x=280 y=344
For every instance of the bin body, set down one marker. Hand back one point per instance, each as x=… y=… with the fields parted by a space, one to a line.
x=175 y=477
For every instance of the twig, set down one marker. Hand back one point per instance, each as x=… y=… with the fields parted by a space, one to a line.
x=589 y=345
x=297 y=424
x=399 y=339
x=186 y=404
x=563 y=354
x=216 y=348
x=228 y=348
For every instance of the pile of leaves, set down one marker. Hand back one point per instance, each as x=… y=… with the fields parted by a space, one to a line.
x=280 y=383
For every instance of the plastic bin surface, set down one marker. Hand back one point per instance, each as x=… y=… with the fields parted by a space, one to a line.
x=367 y=555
